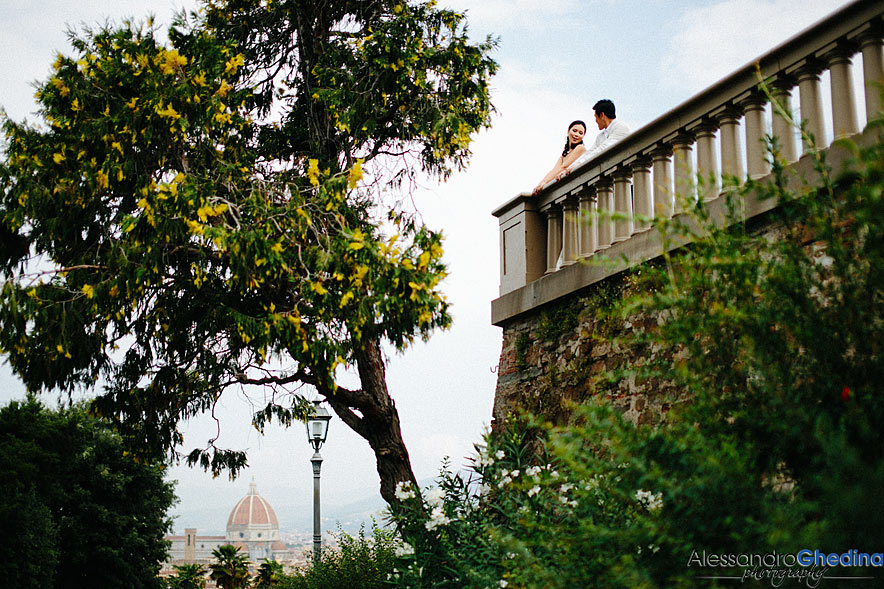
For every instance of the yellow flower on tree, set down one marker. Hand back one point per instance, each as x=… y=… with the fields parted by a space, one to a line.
x=313 y=172
x=355 y=175
x=233 y=64
x=168 y=112
x=170 y=61
x=358 y=240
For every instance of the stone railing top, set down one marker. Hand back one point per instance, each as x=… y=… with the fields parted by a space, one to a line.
x=780 y=65
x=541 y=241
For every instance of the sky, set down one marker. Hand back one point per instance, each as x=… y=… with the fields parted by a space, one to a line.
x=557 y=58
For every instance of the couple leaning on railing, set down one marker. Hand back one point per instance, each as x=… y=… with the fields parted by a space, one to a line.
x=575 y=153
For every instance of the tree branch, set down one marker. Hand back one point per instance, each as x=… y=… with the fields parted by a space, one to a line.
x=347 y=415
x=299 y=376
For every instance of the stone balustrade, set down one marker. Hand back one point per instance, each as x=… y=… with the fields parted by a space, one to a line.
x=606 y=207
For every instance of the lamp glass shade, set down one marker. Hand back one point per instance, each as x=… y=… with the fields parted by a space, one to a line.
x=317 y=425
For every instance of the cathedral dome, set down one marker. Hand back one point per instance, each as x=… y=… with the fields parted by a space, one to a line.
x=252 y=528
x=252 y=510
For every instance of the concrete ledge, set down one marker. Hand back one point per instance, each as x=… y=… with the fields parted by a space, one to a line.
x=650 y=244
x=813 y=41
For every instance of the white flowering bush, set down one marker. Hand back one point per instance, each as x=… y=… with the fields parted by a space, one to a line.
x=490 y=525
x=404 y=491
x=651 y=501
x=444 y=531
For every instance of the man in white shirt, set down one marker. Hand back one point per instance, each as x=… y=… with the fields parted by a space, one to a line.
x=611 y=129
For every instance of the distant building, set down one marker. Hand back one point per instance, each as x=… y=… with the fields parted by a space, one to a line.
x=252 y=527
x=191 y=548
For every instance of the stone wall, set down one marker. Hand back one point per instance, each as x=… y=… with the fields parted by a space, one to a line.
x=573 y=350
x=561 y=353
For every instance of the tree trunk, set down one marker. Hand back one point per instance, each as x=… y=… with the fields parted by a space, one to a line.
x=379 y=420
x=313 y=32
x=370 y=412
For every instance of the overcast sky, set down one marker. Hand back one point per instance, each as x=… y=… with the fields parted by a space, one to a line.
x=557 y=58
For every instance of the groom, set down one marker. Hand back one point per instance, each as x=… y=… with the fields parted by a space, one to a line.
x=611 y=129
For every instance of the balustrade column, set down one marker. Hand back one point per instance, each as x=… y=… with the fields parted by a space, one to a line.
x=605 y=192
x=707 y=161
x=664 y=199
x=553 y=237
x=872 y=47
x=569 y=232
x=731 y=144
x=685 y=193
x=756 y=128
x=843 y=99
x=811 y=102
x=642 y=194
x=588 y=228
x=783 y=125
x=623 y=205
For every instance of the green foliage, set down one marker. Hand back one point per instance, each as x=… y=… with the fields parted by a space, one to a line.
x=781 y=350
x=230 y=569
x=83 y=512
x=373 y=79
x=522 y=345
x=357 y=562
x=775 y=332
x=556 y=321
x=451 y=531
x=605 y=299
x=196 y=215
x=188 y=576
x=622 y=506
x=270 y=574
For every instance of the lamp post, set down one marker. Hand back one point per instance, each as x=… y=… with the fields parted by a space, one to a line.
x=317 y=430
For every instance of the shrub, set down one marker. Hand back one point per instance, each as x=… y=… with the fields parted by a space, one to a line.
x=356 y=563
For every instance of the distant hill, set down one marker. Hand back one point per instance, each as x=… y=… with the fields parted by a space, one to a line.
x=298 y=517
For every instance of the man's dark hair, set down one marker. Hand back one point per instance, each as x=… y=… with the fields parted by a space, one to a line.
x=605 y=107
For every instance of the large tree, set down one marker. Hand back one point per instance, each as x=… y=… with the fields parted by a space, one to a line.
x=77 y=511
x=221 y=212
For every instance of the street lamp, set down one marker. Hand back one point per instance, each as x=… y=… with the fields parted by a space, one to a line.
x=317 y=430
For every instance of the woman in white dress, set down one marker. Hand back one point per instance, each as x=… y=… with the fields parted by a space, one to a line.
x=574 y=148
